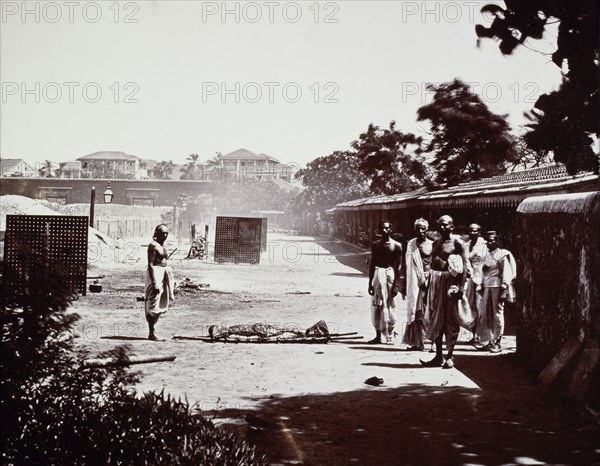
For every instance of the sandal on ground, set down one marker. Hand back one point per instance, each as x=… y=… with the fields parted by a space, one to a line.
x=375 y=381
x=435 y=362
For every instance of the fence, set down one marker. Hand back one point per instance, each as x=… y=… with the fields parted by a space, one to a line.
x=127 y=227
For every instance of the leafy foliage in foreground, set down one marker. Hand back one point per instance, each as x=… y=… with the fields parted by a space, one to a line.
x=56 y=410
x=566 y=120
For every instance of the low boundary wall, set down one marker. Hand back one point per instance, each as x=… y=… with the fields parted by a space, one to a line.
x=559 y=291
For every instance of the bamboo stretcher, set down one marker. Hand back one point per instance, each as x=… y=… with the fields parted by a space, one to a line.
x=279 y=340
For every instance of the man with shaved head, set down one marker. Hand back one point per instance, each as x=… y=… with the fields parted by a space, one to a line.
x=384 y=283
x=446 y=287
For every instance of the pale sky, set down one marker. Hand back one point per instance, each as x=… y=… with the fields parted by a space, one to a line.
x=294 y=80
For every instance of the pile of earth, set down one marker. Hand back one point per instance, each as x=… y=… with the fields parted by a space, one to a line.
x=100 y=246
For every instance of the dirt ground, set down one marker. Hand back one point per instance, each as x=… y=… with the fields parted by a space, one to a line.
x=308 y=403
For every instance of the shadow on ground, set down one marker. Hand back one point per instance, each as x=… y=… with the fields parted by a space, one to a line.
x=346 y=254
x=508 y=420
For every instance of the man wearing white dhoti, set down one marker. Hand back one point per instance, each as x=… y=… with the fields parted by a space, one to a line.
x=384 y=283
x=499 y=271
x=159 y=279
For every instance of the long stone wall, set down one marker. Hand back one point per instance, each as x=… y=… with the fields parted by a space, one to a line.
x=559 y=291
x=128 y=192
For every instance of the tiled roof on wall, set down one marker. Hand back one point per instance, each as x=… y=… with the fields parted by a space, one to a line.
x=507 y=189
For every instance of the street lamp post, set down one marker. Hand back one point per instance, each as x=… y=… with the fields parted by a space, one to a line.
x=108 y=194
x=92 y=202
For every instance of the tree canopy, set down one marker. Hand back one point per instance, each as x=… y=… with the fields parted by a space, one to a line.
x=468 y=140
x=390 y=160
x=188 y=171
x=329 y=180
x=567 y=118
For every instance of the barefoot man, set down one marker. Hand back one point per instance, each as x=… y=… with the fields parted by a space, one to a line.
x=384 y=283
x=159 y=279
x=446 y=287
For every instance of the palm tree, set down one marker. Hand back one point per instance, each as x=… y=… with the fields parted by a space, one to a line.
x=164 y=170
x=188 y=171
x=213 y=166
x=47 y=169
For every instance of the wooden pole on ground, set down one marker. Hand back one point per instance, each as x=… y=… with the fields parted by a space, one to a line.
x=108 y=362
x=568 y=350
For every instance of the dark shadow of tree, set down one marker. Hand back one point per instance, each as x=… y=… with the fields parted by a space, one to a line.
x=507 y=420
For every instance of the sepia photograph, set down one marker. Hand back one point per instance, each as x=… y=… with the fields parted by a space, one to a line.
x=351 y=232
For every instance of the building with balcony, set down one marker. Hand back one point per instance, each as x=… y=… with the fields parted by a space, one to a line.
x=111 y=165
x=243 y=164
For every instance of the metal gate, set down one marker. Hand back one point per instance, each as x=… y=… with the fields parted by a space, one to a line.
x=238 y=239
x=41 y=246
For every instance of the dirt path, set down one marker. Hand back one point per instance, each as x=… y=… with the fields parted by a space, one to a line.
x=308 y=404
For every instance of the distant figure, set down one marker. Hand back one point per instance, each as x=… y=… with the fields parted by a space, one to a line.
x=414 y=289
x=446 y=287
x=477 y=250
x=384 y=283
x=331 y=230
x=347 y=233
x=499 y=271
x=159 y=279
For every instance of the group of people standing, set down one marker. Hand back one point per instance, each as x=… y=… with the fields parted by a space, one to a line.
x=447 y=283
